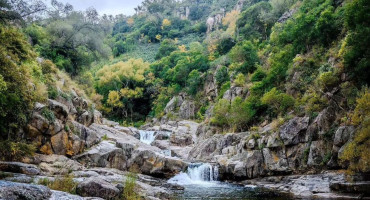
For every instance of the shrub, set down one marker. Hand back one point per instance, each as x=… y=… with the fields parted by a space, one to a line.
x=258 y=75
x=280 y=102
x=65 y=184
x=239 y=80
x=223 y=89
x=222 y=76
x=328 y=80
x=246 y=55
x=356 y=153
x=129 y=192
x=15 y=151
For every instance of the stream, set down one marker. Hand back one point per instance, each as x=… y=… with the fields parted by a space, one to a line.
x=201 y=181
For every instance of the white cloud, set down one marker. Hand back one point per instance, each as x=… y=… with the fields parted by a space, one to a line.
x=112 y=7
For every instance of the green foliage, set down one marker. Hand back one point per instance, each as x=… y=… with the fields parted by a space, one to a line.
x=223 y=89
x=356 y=49
x=16 y=96
x=129 y=192
x=48 y=114
x=166 y=48
x=236 y=115
x=194 y=82
x=15 y=150
x=225 y=45
x=61 y=183
x=246 y=55
x=279 y=102
x=222 y=76
x=239 y=80
x=328 y=80
x=258 y=75
x=356 y=152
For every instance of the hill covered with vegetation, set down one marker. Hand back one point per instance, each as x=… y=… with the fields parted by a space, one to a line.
x=239 y=64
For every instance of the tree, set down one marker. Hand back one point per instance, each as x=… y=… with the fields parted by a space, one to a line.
x=166 y=48
x=222 y=76
x=280 y=102
x=246 y=55
x=194 y=82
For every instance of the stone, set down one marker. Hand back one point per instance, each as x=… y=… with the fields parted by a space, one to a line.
x=57 y=164
x=86 y=134
x=105 y=154
x=251 y=144
x=59 y=143
x=61 y=111
x=297 y=154
x=274 y=140
x=85 y=118
x=293 y=132
x=39 y=122
x=96 y=187
x=98 y=117
x=109 y=123
x=46 y=149
x=232 y=93
x=275 y=160
x=322 y=123
x=317 y=153
x=181 y=140
x=10 y=191
x=18 y=167
x=187 y=110
x=342 y=135
x=174 y=103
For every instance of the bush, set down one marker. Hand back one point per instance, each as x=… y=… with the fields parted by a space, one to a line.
x=65 y=184
x=357 y=151
x=246 y=55
x=328 y=80
x=129 y=192
x=280 y=102
x=222 y=76
x=15 y=151
x=239 y=80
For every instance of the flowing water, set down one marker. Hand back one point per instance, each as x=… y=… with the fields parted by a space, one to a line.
x=201 y=182
x=147 y=137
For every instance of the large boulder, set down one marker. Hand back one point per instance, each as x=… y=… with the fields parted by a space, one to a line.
x=60 y=110
x=88 y=135
x=187 y=110
x=59 y=143
x=293 y=132
x=11 y=191
x=105 y=154
x=174 y=103
x=96 y=187
x=57 y=164
x=17 y=167
x=275 y=160
x=317 y=153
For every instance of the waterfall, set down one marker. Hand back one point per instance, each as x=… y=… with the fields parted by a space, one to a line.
x=147 y=137
x=197 y=173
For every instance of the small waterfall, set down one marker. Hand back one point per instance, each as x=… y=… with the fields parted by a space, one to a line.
x=147 y=137
x=197 y=173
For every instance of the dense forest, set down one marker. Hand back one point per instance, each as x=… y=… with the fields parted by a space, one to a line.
x=285 y=58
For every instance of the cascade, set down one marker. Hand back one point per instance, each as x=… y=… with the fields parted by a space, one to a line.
x=197 y=173
x=147 y=137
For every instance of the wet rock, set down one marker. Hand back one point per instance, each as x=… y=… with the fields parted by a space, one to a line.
x=18 y=167
x=10 y=191
x=362 y=187
x=293 y=132
x=95 y=187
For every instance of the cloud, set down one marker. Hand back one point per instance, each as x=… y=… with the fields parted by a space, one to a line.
x=110 y=7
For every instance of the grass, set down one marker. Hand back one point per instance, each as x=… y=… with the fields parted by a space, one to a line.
x=65 y=184
x=130 y=185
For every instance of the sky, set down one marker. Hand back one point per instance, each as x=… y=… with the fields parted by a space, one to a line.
x=112 y=7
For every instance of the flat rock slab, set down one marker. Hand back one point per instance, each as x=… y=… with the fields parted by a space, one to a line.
x=11 y=191
x=18 y=167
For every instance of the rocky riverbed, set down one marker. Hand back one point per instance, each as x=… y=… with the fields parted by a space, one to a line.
x=288 y=160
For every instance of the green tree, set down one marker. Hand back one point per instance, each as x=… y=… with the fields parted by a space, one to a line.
x=246 y=55
x=194 y=82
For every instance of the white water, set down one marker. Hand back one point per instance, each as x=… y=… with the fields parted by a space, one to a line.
x=147 y=137
x=199 y=173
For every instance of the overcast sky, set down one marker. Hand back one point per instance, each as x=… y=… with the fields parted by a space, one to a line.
x=112 y=7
